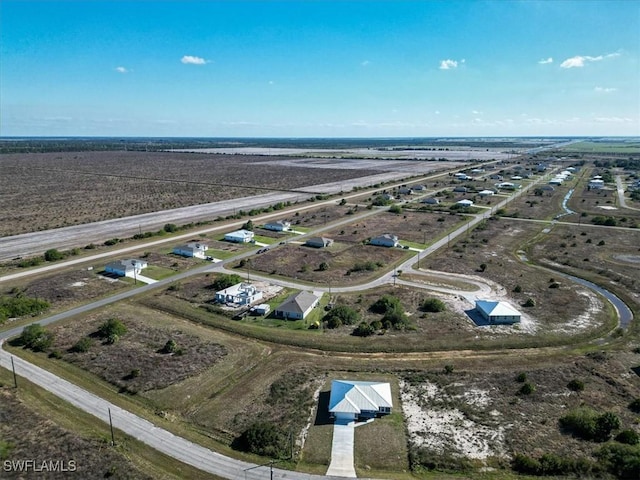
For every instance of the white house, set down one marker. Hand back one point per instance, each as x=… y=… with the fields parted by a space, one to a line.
x=239 y=294
x=351 y=399
x=261 y=309
x=506 y=186
x=486 y=193
x=498 y=312
x=318 y=242
x=278 y=226
x=126 y=268
x=239 y=236
x=191 y=249
x=556 y=181
x=464 y=203
x=386 y=240
x=596 y=184
x=297 y=306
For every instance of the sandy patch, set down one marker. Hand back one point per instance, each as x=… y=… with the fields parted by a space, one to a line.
x=587 y=318
x=433 y=426
x=78 y=284
x=607 y=207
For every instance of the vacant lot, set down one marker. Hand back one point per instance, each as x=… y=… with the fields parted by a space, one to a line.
x=49 y=190
x=490 y=251
x=26 y=434
x=135 y=362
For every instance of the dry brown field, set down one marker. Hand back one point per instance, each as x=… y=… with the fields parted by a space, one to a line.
x=49 y=190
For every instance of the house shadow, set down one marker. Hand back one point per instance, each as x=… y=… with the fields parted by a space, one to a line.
x=322 y=413
x=477 y=318
x=636 y=370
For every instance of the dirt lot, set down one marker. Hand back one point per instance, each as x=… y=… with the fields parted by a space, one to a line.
x=50 y=190
x=477 y=412
x=138 y=349
x=610 y=253
x=561 y=309
x=23 y=429
x=67 y=288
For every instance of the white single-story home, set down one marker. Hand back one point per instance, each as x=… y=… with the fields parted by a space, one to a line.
x=556 y=181
x=278 y=226
x=318 y=242
x=351 y=399
x=297 y=306
x=516 y=177
x=495 y=176
x=486 y=193
x=239 y=236
x=498 y=312
x=431 y=201
x=464 y=203
x=506 y=186
x=596 y=184
x=461 y=189
x=387 y=196
x=239 y=294
x=191 y=249
x=386 y=240
x=126 y=268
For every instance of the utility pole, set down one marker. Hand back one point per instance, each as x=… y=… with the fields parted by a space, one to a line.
x=113 y=440
x=15 y=379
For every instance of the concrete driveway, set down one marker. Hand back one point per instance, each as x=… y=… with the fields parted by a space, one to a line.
x=342 y=450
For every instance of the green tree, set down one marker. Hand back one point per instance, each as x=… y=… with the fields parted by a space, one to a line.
x=81 y=346
x=36 y=338
x=264 y=438
x=170 y=228
x=52 y=255
x=248 y=225
x=170 y=347
x=112 y=330
x=433 y=305
x=225 y=281
x=363 y=330
x=324 y=266
x=345 y=314
x=385 y=304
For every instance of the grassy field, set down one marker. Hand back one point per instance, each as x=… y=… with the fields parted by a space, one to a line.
x=603 y=147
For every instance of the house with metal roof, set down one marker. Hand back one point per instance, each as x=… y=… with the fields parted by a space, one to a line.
x=126 y=268
x=386 y=240
x=318 y=242
x=351 y=399
x=239 y=236
x=297 y=306
x=498 y=313
x=278 y=226
x=191 y=249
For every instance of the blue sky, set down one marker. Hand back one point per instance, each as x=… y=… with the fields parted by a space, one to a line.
x=320 y=68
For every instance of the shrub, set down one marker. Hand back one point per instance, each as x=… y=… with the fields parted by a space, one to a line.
x=576 y=385
x=521 y=377
x=529 y=303
x=170 y=347
x=52 y=255
x=248 y=225
x=621 y=460
x=385 y=304
x=112 y=330
x=600 y=243
x=448 y=369
x=81 y=346
x=527 y=389
x=395 y=209
x=517 y=289
x=433 y=305
x=363 y=330
x=225 y=281
x=341 y=315
x=630 y=437
x=170 y=228
x=585 y=423
x=634 y=406
x=263 y=438
x=35 y=337
x=20 y=306
x=324 y=266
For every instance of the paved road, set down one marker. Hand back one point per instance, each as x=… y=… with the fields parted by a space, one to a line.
x=143 y=430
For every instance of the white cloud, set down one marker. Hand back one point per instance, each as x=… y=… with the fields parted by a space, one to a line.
x=476 y=112
x=365 y=63
x=604 y=89
x=613 y=120
x=580 y=61
x=448 y=64
x=545 y=61
x=191 y=60
x=122 y=70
